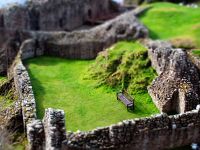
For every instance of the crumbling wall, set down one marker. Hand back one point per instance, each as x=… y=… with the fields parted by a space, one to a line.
x=88 y=43
x=53 y=15
x=157 y=132
x=48 y=134
x=177 y=88
x=54 y=125
x=78 y=44
x=25 y=92
x=30 y=48
x=35 y=135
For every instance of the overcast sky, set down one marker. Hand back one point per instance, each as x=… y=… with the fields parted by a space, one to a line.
x=5 y=2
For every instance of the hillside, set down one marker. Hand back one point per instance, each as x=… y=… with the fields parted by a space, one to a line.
x=179 y=24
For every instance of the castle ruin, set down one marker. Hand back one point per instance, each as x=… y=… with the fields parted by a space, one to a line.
x=28 y=32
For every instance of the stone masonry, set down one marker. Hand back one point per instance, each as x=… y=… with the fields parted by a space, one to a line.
x=35 y=135
x=56 y=15
x=177 y=87
x=156 y=132
x=83 y=44
x=54 y=125
x=24 y=89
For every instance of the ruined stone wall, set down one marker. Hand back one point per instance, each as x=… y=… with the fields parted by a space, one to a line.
x=88 y=43
x=52 y=14
x=176 y=89
x=25 y=92
x=157 y=132
x=78 y=44
x=49 y=133
x=35 y=135
x=194 y=59
x=54 y=125
x=30 y=48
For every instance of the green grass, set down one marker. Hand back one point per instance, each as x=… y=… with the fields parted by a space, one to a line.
x=173 y=22
x=196 y=52
x=5 y=100
x=2 y=79
x=61 y=84
x=124 y=66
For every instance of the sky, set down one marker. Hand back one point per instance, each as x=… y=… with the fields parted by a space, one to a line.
x=6 y=2
x=119 y=1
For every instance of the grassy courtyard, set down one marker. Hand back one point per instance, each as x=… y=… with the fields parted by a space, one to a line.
x=61 y=84
x=179 y=24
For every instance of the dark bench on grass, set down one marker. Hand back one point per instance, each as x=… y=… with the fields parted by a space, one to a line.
x=126 y=99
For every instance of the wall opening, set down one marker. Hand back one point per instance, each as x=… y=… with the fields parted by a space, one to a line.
x=89 y=13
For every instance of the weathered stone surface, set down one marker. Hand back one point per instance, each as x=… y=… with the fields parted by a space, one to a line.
x=35 y=135
x=25 y=92
x=177 y=86
x=53 y=14
x=83 y=44
x=54 y=126
x=157 y=132
x=87 y=43
x=159 y=59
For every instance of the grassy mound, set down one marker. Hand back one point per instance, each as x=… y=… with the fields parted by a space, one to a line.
x=124 y=66
x=60 y=84
x=169 y=21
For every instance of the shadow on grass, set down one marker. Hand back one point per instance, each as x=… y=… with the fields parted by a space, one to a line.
x=153 y=35
x=47 y=61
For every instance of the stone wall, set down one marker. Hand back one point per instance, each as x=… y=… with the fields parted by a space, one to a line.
x=194 y=59
x=176 y=89
x=52 y=14
x=54 y=125
x=83 y=44
x=157 y=132
x=35 y=135
x=88 y=43
x=25 y=92
x=48 y=134
x=30 y=48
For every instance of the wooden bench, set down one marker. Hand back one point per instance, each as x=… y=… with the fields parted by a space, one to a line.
x=126 y=99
